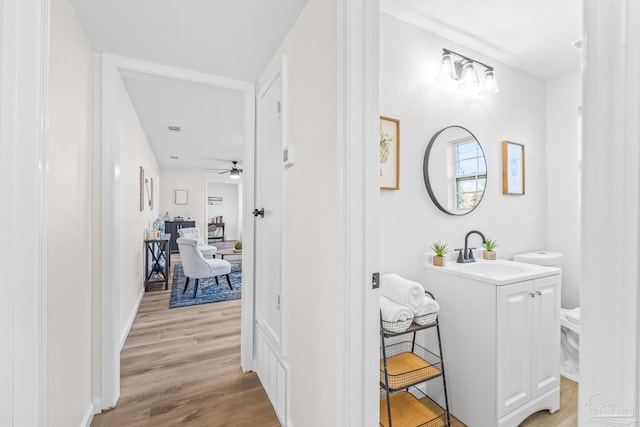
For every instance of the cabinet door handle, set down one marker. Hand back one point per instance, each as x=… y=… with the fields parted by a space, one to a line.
x=539 y=293
x=532 y=294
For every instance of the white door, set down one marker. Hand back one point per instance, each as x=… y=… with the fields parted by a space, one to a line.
x=268 y=209
x=546 y=335
x=513 y=341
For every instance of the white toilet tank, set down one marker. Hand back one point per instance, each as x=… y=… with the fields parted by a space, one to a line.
x=549 y=259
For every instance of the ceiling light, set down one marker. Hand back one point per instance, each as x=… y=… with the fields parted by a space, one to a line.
x=490 y=85
x=462 y=71
x=469 y=78
x=174 y=128
x=447 y=70
x=234 y=173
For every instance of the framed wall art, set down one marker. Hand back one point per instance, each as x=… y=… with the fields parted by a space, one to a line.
x=182 y=197
x=389 y=153
x=512 y=168
x=141 y=189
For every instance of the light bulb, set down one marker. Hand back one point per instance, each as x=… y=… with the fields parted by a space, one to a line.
x=490 y=85
x=469 y=77
x=446 y=68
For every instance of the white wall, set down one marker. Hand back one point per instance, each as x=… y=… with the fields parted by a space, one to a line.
x=311 y=210
x=229 y=209
x=410 y=222
x=134 y=152
x=69 y=218
x=564 y=165
x=196 y=184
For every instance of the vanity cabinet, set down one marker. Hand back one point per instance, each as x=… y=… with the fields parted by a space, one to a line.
x=501 y=340
x=528 y=336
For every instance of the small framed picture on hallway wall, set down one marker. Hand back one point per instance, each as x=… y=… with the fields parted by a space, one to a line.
x=389 y=153
x=182 y=197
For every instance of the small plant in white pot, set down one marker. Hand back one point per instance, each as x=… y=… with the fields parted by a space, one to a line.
x=489 y=247
x=440 y=250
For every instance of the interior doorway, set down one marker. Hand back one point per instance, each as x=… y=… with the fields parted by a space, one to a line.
x=107 y=361
x=223 y=211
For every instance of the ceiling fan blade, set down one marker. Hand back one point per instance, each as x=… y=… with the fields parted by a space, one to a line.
x=240 y=170
x=227 y=171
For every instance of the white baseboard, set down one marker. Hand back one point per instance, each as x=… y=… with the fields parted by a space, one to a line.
x=88 y=416
x=131 y=319
x=97 y=405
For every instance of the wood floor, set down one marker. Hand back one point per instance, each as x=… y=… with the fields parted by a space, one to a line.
x=181 y=366
x=566 y=416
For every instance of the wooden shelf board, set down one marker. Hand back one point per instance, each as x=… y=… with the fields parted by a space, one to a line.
x=408 y=411
x=406 y=369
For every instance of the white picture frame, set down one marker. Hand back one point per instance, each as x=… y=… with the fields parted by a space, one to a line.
x=182 y=197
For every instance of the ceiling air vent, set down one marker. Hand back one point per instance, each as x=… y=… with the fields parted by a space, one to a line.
x=174 y=128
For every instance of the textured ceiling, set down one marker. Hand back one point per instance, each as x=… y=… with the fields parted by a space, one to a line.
x=230 y=38
x=210 y=120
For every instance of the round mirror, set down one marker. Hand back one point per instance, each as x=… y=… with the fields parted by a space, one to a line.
x=455 y=170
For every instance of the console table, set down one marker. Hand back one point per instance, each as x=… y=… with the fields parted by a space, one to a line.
x=157 y=261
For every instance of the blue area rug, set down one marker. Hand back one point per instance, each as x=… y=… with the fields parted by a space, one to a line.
x=208 y=291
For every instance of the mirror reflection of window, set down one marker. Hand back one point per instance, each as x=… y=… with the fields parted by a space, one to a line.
x=470 y=173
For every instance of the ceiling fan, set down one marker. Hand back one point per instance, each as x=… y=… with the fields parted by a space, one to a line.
x=234 y=172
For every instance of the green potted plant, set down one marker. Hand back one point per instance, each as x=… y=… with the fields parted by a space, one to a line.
x=238 y=246
x=440 y=250
x=489 y=247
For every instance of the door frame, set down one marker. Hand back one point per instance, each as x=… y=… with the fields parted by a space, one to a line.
x=24 y=75
x=107 y=362
x=358 y=225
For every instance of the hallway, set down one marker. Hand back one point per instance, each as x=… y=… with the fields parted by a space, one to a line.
x=182 y=367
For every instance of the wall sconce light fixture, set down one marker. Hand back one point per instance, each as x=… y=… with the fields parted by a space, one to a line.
x=460 y=70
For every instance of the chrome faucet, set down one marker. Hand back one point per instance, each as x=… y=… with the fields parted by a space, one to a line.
x=466 y=255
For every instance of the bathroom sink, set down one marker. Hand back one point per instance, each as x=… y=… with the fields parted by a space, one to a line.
x=498 y=272
x=493 y=269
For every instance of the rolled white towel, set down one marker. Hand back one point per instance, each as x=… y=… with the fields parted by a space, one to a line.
x=393 y=312
x=401 y=290
x=429 y=305
x=400 y=316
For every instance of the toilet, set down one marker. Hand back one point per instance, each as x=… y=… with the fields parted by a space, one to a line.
x=569 y=318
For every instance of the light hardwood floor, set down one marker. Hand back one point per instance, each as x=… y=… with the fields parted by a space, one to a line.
x=566 y=416
x=181 y=366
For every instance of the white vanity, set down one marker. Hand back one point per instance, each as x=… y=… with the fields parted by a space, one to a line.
x=500 y=326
